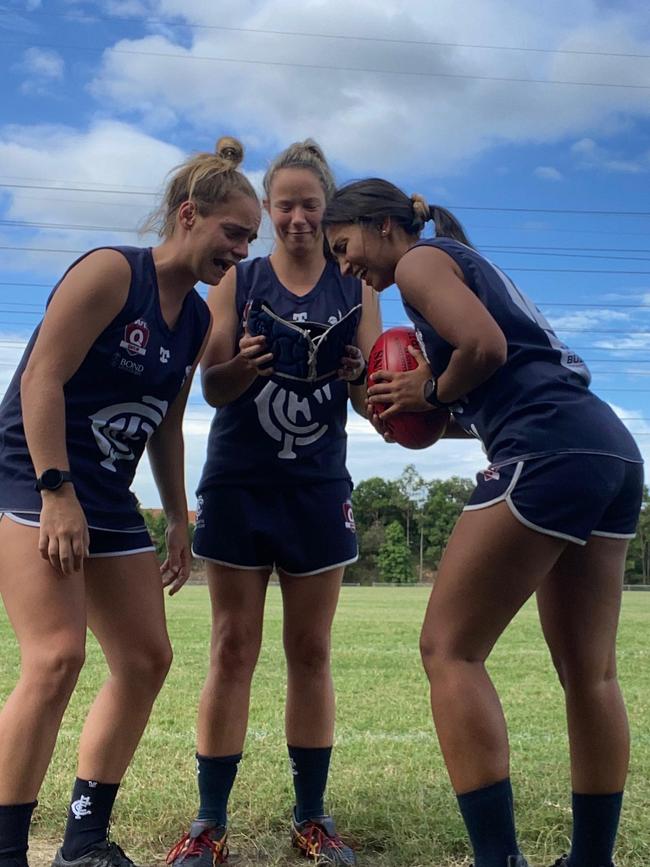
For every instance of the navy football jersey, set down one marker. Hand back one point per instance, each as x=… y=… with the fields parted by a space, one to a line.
x=276 y=432
x=113 y=403
x=539 y=402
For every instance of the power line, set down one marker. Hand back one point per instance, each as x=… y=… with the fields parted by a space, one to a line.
x=331 y=68
x=346 y=37
x=63 y=187
x=509 y=268
x=525 y=250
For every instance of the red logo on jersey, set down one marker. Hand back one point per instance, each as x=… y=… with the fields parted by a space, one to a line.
x=136 y=337
x=348 y=517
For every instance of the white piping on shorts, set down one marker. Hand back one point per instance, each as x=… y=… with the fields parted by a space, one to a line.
x=290 y=574
x=323 y=569
x=121 y=553
x=507 y=498
x=26 y=523
x=230 y=565
x=23 y=521
x=14 y=517
x=613 y=535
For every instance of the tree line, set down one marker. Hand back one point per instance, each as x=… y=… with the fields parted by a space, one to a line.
x=403 y=525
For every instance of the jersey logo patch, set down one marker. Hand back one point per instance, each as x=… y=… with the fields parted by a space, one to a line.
x=287 y=417
x=490 y=475
x=118 y=426
x=136 y=337
x=348 y=516
x=164 y=355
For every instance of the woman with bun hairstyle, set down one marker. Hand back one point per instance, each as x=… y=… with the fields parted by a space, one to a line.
x=552 y=514
x=106 y=373
x=275 y=494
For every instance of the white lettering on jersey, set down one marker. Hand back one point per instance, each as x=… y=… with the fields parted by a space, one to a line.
x=299 y=317
x=116 y=426
x=280 y=412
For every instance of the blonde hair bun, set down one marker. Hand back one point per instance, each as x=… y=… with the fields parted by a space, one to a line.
x=230 y=149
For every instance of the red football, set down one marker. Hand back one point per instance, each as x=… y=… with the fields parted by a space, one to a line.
x=413 y=430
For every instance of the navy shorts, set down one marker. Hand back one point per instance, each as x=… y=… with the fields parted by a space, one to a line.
x=301 y=529
x=572 y=496
x=103 y=543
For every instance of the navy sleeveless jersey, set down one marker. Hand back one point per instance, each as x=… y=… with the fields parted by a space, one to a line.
x=539 y=402
x=273 y=434
x=113 y=403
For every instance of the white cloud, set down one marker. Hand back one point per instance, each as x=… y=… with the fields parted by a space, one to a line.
x=369 y=121
x=548 y=173
x=109 y=155
x=43 y=63
x=592 y=156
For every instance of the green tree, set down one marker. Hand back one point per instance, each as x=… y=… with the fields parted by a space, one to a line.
x=440 y=512
x=375 y=500
x=410 y=485
x=394 y=557
x=157 y=525
x=637 y=566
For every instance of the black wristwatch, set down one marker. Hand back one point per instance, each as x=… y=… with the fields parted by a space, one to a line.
x=431 y=395
x=52 y=479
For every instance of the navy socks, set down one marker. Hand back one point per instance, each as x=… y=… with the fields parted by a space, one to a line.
x=215 y=777
x=89 y=813
x=310 y=767
x=595 y=823
x=489 y=818
x=15 y=820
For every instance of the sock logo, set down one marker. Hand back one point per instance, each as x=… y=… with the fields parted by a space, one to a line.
x=292 y=765
x=80 y=808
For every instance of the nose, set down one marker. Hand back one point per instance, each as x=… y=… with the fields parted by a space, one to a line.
x=344 y=265
x=298 y=215
x=240 y=249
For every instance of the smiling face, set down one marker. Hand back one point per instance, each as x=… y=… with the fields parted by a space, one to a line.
x=220 y=239
x=296 y=204
x=364 y=252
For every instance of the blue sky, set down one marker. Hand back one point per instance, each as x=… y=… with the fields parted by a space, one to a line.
x=531 y=121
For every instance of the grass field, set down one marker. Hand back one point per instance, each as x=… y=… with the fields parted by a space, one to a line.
x=389 y=790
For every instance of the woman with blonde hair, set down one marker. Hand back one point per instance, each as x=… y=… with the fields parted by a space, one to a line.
x=106 y=374
x=287 y=351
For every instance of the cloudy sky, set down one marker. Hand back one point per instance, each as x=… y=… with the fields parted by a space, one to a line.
x=530 y=121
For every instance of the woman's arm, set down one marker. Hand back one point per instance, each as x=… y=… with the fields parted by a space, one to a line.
x=430 y=281
x=227 y=371
x=367 y=333
x=89 y=297
x=166 y=450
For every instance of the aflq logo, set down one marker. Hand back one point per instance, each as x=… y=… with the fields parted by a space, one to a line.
x=117 y=427
x=136 y=337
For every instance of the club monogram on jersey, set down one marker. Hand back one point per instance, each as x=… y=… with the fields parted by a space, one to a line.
x=116 y=427
x=288 y=418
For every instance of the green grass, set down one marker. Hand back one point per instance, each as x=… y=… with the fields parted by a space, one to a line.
x=389 y=789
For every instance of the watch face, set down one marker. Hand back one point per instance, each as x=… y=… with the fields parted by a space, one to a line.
x=52 y=479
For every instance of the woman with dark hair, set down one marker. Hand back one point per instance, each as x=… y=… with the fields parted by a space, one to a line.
x=552 y=514
x=106 y=374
